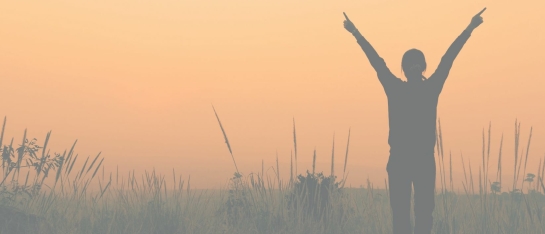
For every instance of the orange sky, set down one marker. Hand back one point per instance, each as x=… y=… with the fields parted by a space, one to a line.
x=137 y=80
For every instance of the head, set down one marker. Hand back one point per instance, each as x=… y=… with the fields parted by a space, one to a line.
x=414 y=65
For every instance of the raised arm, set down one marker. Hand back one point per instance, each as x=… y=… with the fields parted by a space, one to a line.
x=384 y=74
x=441 y=73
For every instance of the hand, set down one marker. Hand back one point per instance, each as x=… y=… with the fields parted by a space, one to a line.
x=476 y=20
x=348 y=25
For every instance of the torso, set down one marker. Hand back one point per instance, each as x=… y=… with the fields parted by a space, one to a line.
x=412 y=110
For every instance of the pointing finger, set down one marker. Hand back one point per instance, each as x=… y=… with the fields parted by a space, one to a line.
x=481 y=11
x=346 y=17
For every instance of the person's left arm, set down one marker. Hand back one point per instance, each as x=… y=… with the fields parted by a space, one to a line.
x=441 y=73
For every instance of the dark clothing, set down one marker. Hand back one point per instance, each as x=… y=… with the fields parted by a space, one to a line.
x=412 y=113
x=412 y=108
x=420 y=174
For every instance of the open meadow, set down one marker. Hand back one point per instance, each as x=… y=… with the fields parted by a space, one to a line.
x=112 y=127
x=45 y=193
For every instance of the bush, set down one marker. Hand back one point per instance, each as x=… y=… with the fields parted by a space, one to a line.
x=312 y=195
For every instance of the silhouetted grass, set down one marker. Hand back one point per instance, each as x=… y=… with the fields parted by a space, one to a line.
x=43 y=193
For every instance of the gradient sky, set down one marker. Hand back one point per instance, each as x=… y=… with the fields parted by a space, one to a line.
x=136 y=80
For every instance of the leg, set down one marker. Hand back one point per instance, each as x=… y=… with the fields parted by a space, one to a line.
x=400 y=184
x=424 y=195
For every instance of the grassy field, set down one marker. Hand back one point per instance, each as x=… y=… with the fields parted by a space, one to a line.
x=44 y=193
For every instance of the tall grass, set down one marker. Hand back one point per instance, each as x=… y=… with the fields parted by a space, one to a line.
x=51 y=193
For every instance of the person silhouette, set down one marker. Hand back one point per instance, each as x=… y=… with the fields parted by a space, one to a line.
x=412 y=113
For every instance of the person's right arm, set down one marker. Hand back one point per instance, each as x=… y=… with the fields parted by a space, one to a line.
x=384 y=74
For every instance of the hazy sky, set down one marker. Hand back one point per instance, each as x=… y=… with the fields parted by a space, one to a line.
x=136 y=80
